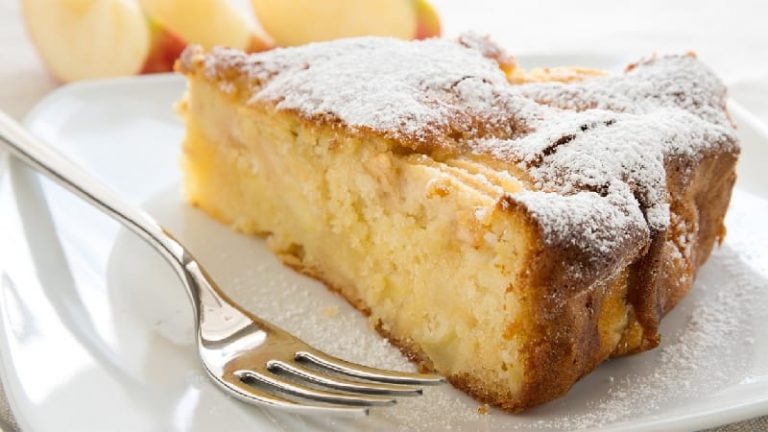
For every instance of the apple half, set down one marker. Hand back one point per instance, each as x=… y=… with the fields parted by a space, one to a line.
x=296 y=22
x=80 y=39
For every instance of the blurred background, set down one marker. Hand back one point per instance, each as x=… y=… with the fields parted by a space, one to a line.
x=45 y=42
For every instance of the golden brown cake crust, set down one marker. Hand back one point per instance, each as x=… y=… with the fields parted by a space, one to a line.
x=628 y=176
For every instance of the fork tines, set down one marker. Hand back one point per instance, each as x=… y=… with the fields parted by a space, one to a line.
x=338 y=385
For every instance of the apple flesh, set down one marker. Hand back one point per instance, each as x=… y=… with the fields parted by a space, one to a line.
x=296 y=22
x=207 y=22
x=80 y=39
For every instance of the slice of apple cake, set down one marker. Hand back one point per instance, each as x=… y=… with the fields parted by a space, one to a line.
x=508 y=236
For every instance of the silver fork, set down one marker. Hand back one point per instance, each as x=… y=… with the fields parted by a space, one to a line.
x=246 y=356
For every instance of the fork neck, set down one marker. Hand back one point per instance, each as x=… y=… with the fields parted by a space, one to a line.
x=203 y=292
x=47 y=160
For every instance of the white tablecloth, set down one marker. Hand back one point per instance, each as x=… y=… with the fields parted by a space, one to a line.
x=730 y=36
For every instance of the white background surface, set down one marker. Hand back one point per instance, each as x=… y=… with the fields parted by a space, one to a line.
x=732 y=37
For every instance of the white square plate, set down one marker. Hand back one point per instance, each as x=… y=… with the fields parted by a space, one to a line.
x=96 y=334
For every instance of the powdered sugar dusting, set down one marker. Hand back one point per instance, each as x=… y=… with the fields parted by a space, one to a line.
x=616 y=136
x=410 y=90
x=595 y=223
x=678 y=82
x=621 y=157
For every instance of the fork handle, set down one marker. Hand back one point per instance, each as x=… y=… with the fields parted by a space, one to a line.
x=56 y=166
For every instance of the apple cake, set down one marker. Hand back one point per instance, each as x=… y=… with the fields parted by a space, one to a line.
x=508 y=229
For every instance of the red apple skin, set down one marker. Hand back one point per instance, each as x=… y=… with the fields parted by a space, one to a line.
x=57 y=77
x=52 y=73
x=166 y=47
x=427 y=20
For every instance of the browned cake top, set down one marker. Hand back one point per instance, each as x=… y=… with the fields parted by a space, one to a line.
x=595 y=154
